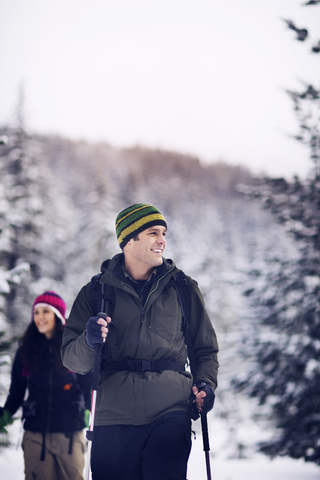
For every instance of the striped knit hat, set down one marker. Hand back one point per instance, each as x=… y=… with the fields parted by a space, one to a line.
x=54 y=302
x=135 y=219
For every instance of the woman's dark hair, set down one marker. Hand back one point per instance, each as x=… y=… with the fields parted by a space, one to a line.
x=32 y=346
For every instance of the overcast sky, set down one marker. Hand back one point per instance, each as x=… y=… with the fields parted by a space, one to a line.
x=205 y=77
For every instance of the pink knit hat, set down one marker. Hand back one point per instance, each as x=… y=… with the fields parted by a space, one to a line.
x=54 y=301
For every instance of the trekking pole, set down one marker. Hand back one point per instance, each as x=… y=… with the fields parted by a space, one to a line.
x=95 y=386
x=205 y=439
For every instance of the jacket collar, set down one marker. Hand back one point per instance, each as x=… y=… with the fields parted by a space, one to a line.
x=117 y=262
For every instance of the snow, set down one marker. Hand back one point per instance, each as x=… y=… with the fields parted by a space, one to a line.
x=11 y=467
x=13 y=276
x=258 y=467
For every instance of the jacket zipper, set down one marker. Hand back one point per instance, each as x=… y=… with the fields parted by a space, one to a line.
x=155 y=288
x=143 y=314
x=143 y=309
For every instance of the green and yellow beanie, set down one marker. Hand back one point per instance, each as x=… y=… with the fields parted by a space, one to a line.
x=135 y=219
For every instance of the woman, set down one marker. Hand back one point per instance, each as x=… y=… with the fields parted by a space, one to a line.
x=53 y=413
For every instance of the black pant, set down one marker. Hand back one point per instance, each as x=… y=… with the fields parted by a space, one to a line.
x=158 y=451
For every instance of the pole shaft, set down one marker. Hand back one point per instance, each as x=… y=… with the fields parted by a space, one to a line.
x=208 y=465
x=205 y=439
x=93 y=409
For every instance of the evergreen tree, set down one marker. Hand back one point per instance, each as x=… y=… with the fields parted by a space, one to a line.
x=20 y=235
x=283 y=336
x=29 y=223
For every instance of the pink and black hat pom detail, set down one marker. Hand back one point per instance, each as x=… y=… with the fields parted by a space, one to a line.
x=54 y=301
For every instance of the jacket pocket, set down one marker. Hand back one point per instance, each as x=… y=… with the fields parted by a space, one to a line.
x=165 y=317
x=29 y=408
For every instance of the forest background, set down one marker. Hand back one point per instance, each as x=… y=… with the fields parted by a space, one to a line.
x=251 y=243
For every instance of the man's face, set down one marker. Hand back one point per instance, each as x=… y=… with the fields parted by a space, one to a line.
x=147 y=249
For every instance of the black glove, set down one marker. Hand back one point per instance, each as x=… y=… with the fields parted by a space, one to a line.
x=208 y=400
x=93 y=332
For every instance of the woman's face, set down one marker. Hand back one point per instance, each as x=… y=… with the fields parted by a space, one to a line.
x=45 y=320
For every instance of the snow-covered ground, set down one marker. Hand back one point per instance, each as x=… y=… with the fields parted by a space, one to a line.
x=256 y=468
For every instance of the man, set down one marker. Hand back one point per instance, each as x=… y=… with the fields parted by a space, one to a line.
x=143 y=413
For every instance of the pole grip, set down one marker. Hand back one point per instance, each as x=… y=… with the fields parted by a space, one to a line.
x=97 y=359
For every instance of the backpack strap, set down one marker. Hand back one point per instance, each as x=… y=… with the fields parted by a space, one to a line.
x=184 y=296
x=100 y=296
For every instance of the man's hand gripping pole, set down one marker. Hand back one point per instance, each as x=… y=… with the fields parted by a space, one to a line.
x=95 y=386
x=95 y=382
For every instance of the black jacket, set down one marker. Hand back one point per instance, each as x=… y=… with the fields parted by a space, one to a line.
x=56 y=397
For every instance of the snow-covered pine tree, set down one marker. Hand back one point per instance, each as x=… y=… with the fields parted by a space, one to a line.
x=284 y=337
x=30 y=223
x=284 y=334
x=19 y=233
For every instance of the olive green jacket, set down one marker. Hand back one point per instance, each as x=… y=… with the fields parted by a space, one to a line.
x=152 y=331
